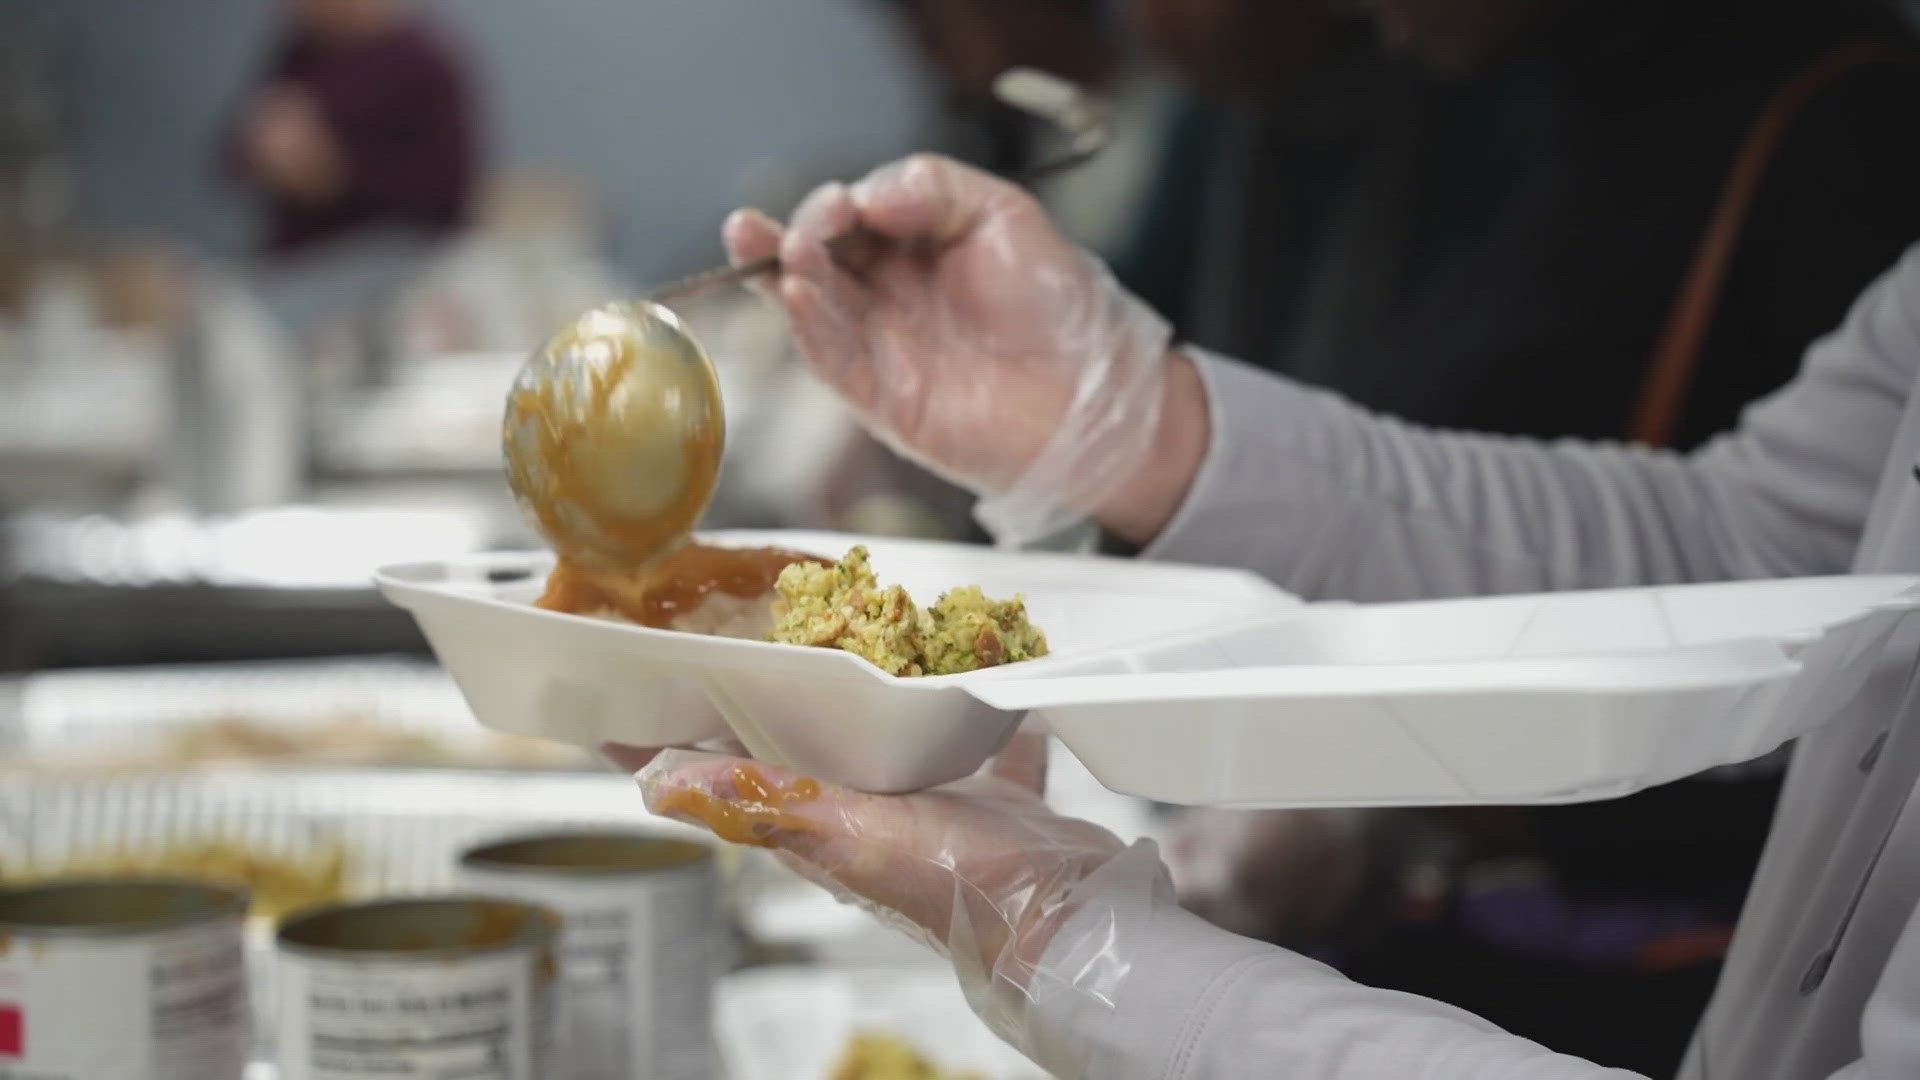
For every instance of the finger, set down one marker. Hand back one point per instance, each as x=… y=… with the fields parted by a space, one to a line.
x=677 y=768
x=929 y=200
x=832 y=321
x=825 y=217
x=724 y=744
x=831 y=339
x=1023 y=761
x=750 y=235
x=629 y=758
x=826 y=212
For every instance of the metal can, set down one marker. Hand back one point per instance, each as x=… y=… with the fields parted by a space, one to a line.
x=641 y=944
x=134 y=978
x=433 y=988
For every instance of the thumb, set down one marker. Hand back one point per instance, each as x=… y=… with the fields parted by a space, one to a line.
x=629 y=758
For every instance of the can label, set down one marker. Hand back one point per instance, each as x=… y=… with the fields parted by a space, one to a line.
x=166 y=1006
x=476 y=1018
x=638 y=959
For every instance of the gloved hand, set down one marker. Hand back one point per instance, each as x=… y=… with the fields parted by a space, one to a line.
x=980 y=870
x=976 y=341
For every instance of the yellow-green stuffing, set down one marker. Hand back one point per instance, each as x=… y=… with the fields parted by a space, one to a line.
x=844 y=607
x=967 y=630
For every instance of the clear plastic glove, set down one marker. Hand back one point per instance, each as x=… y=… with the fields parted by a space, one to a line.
x=980 y=870
x=978 y=341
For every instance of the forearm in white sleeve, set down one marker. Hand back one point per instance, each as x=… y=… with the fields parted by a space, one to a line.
x=1194 y=1002
x=1890 y=1028
x=1333 y=501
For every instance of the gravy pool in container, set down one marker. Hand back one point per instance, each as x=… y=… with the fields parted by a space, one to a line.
x=698 y=589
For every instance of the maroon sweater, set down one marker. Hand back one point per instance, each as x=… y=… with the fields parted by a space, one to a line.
x=399 y=110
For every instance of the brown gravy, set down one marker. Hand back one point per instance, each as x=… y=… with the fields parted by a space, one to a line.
x=671 y=587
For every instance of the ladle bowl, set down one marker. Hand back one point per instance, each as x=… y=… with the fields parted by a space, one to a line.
x=613 y=435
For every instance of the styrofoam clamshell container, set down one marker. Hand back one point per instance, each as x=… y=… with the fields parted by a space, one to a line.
x=1203 y=686
x=1549 y=698
x=821 y=711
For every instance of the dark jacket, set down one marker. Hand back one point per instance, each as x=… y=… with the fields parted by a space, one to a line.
x=400 y=110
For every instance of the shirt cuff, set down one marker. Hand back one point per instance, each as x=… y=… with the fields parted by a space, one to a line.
x=1253 y=414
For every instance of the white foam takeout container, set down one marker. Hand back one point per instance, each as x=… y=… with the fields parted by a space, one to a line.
x=1200 y=686
x=823 y=711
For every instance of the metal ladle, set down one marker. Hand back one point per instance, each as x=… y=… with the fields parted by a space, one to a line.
x=614 y=429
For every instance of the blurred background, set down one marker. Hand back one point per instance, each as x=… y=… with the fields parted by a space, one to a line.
x=268 y=266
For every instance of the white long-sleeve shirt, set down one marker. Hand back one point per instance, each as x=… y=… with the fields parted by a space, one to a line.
x=1823 y=980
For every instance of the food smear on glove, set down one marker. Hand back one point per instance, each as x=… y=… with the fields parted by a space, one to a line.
x=844 y=607
x=757 y=811
x=699 y=589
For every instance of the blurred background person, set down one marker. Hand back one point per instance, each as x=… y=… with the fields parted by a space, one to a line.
x=362 y=119
x=359 y=142
x=1484 y=207
x=364 y=213
x=1468 y=218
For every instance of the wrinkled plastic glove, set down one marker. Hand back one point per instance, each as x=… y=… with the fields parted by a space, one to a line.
x=979 y=870
x=976 y=340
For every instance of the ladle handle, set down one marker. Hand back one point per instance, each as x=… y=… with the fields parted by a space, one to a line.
x=856 y=250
